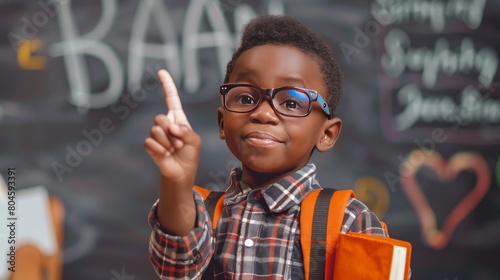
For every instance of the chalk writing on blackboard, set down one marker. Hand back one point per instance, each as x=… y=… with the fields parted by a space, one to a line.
x=436 y=12
x=438 y=71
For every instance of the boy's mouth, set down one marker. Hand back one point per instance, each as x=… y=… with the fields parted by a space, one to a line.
x=261 y=139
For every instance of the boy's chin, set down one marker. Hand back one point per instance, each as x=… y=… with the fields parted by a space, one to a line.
x=267 y=162
x=259 y=166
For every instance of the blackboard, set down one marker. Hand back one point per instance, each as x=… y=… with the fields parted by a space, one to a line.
x=421 y=112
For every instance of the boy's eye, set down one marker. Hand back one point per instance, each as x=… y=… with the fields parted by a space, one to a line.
x=245 y=99
x=242 y=96
x=291 y=99
x=290 y=104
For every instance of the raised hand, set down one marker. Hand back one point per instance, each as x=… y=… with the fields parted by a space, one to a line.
x=173 y=145
x=175 y=148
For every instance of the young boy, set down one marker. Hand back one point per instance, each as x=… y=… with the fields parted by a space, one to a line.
x=279 y=96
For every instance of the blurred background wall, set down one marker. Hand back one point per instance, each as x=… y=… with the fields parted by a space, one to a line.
x=421 y=112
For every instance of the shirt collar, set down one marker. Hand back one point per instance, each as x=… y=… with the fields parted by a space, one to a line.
x=279 y=196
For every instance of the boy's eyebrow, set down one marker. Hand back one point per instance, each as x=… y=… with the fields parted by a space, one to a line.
x=293 y=80
x=244 y=74
x=290 y=80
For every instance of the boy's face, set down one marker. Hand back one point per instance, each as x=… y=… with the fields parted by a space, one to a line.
x=263 y=140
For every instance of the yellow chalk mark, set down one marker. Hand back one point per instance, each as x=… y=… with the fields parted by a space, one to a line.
x=26 y=58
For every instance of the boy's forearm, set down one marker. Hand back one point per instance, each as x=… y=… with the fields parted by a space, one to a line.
x=176 y=208
x=181 y=258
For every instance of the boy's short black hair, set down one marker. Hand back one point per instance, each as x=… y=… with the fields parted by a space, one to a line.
x=285 y=30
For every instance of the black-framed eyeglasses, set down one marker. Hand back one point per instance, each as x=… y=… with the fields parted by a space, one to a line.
x=287 y=101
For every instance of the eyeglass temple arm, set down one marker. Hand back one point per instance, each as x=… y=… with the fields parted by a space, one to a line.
x=324 y=105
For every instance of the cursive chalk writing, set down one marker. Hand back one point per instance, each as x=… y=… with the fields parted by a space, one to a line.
x=471 y=108
x=399 y=56
x=437 y=12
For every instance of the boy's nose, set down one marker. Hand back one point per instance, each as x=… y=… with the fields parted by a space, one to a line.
x=264 y=113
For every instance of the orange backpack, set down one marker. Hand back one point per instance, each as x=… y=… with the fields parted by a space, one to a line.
x=327 y=253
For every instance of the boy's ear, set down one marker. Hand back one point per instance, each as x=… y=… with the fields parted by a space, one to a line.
x=220 y=120
x=331 y=132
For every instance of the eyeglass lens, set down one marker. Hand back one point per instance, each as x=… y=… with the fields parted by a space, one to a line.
x=290 y=101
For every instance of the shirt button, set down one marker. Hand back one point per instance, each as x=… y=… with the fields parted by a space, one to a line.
x=257 y=195
x=248 y=243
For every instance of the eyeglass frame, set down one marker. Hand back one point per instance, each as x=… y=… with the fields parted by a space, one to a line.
x=271 y=92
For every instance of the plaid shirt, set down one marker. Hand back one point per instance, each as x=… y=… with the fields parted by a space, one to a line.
x=257 y=236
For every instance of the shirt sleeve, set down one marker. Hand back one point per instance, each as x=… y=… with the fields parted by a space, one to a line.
x=359 y=218
x=181 y=257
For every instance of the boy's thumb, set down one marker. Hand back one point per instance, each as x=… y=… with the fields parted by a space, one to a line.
x=185 y=134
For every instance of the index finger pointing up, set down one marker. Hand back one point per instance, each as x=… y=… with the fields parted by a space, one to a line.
x=171 y=95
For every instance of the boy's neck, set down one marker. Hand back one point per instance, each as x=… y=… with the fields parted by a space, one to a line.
x=258 y=180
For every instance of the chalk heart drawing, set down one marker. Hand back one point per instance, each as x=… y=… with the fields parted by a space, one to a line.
x=447 y=172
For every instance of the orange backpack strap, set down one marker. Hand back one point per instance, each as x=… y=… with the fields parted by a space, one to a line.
x=214 y=202
x=321 y=217
x=384 y=226
x=202 y=191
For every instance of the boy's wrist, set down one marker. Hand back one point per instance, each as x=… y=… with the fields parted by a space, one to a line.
x=176 y=212
x=182 y=184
